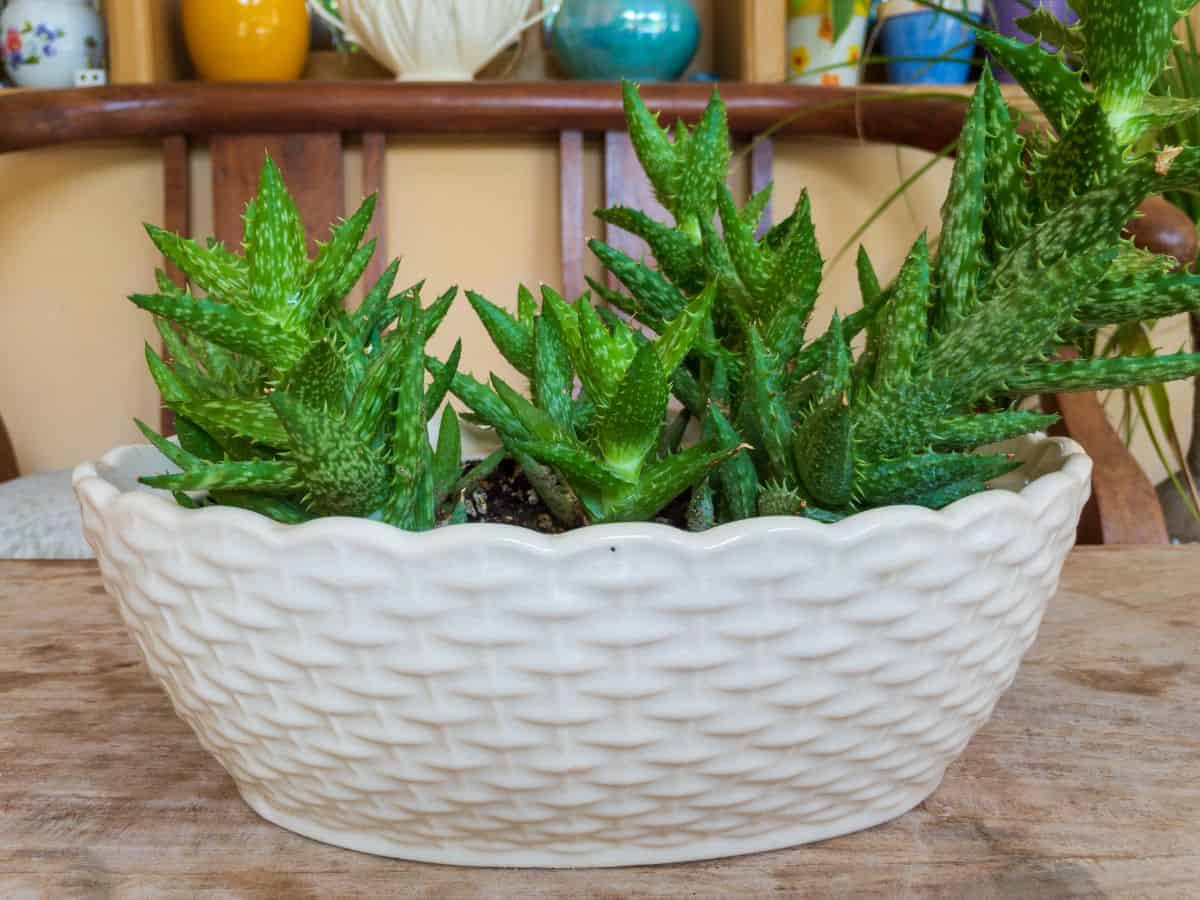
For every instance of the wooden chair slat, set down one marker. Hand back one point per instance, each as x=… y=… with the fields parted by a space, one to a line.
x=374 y=177
x=570 y=154
x=311 y=165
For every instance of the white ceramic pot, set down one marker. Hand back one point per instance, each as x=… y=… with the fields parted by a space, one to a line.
x=432 y=40
x=45 y=42
x=618 y=695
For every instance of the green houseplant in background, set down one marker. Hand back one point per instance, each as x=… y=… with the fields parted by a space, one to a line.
x=845 y=605
x=1167 y=118
x=1180 y=81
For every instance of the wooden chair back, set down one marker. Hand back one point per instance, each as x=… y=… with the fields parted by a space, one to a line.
x=8 y=456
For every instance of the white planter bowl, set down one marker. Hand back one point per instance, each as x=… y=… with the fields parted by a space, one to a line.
x=619 y=695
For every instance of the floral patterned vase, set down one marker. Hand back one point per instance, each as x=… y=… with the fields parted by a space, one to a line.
x=813 y=57
x=43 y=43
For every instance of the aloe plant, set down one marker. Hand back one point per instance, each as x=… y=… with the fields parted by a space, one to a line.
x=606 y=455
x=286 y=403
x=1030 y=256
x=290 y=405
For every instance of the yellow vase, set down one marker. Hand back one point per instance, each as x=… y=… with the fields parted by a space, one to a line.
x=247 y=40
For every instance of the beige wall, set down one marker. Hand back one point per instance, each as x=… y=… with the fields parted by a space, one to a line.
x=475 y=212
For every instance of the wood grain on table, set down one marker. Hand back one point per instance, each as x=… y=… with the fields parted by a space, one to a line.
x=1086 y=783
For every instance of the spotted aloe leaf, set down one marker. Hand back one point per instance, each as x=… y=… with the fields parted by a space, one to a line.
x=1018 y=325
x=263 y=476
x=374 y=395
x=372 y=312
x=213 y=269
x=194 y=439
x=1058 y=92
x=565 y=316
x=435 y=394
x=757 y=205
x=1005 y=216
x=576 y=463
x=231 y=328
x=1047 y=28
x=665 y=480
x=872 y=296
x=960 y=250
x=534 y=420
x=1102 y=374
x=511 y=337
x=766 y=421
x=833 y=381
x=795 y=280
x=277 y=508
x=943 y=496
x=526 y=307
x=481 y=400
x=553 y=375
x=824 y=453
x=704 y=170
x=432 y=318
x=1137 y=297
x=651 y=289
x=680 y=334
x=410 y=497
x=325 y=271
x=447 y=458
x=965 y=432
x=736 y=476
x=341 y=475
x=1156 y=114
x=701 y=511
x=251 y=418
x=1084 y=223
x=1127 y=46
x=320 y=378
x=1088 y=154
x=751 y=263
x=905 y=331
x=912 y=478
x=653 y=147
x=629 y=426
x=679 y=259
x=177 y=454
x=276 y=253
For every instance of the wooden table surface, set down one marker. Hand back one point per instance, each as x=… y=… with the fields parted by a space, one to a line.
x=1086 y=783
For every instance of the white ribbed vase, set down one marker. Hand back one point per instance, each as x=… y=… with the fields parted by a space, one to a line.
x=432 y=40
x=618 y=695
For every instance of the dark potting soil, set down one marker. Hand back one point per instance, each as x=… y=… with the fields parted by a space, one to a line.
x=506 y=497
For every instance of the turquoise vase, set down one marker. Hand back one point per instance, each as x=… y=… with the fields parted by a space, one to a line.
x=606 y=40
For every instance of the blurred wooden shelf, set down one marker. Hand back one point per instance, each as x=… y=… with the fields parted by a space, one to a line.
x=881 y=113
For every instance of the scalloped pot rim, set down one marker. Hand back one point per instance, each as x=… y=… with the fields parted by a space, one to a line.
x=1058 y=479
